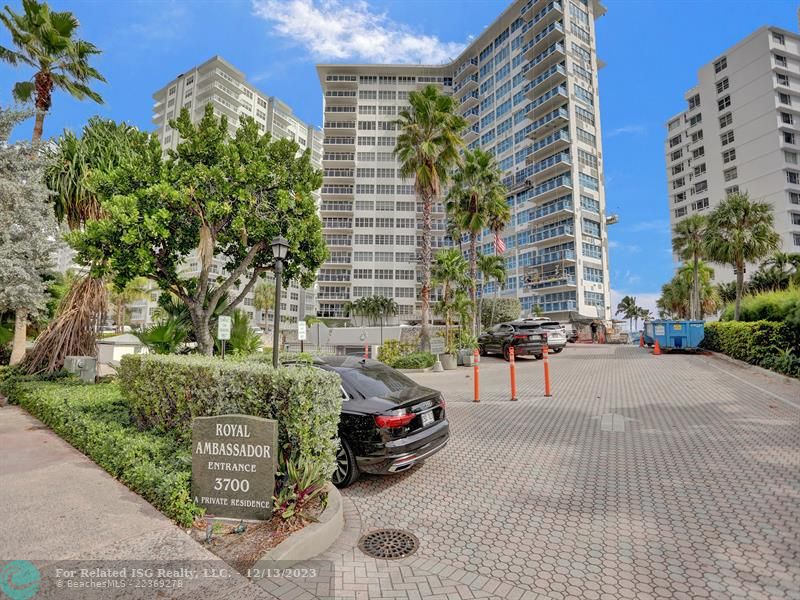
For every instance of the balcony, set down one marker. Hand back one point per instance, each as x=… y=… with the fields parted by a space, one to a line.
x=553 y=187
x=333 y=128
x=561 y=233
x=559 y=208
x=470 y=100
x=467 y=68
x=551 y=281
x=341 y=81
x=548 y=13
x=336 y=190
x=339 y=143
x=341 y=97
x=556 y=118
x=472 y=115
x=555 y=75
x=538 y=38
x=552 y=165
x=467 y=85
x=550 y=99
x=336 y=207
x=472 y=133
x=339 y=159
x=546 y=58
x=554 y=142
x=558 y=256
x=339 y=175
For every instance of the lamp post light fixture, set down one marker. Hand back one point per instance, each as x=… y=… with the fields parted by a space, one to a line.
x=280 y=247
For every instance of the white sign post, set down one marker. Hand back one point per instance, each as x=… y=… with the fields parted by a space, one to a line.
x=301 y=333
x=223 y=331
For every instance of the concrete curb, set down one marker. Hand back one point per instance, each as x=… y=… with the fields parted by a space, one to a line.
x=313 y=539
x=774 y=375
x=425 y=370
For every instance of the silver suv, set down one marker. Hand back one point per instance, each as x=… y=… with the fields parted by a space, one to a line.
x=556 y=333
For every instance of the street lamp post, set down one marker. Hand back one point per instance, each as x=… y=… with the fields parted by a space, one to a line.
x=279 y=249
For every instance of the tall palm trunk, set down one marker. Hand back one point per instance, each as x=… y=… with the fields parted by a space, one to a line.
x=739 y=287
x=473 y=276
x=425 y=292
x=696 y=289
x=20 y=336
x=44 y=99
x=494 y=304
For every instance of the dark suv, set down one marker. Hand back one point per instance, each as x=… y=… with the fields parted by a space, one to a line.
x=526 y=337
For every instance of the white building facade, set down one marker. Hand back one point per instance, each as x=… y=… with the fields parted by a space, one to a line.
x=528 y=88
x=740 y=132
x=219 y=83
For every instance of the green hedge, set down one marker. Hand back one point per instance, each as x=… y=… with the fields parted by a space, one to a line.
x=415 y=360
x=392 y=350
x=97 y=421
x=783 y=306
x=764 y=343
x=166 y=392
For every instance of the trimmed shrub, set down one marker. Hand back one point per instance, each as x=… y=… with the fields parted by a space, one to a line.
x=392 y=350
x=415 y=360
x=764 y=343
x=97 y=421
x=769 y=306
x=167 y=392
x=506 y=309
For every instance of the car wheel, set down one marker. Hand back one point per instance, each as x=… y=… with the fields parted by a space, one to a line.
x=506 y=354
x=482 y=350
x=539 y=356
x=557 y=350
x=346 y=467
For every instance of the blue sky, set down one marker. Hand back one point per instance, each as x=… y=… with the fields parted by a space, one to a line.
x=652 y=50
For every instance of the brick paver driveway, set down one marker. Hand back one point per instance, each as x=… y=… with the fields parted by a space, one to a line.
x=642 y=477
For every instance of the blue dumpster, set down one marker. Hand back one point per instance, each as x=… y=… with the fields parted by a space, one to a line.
x=674 y=335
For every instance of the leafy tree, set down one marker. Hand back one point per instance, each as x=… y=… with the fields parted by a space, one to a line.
x=491 y=267
x=450 y=272
x=675 y=297
x=477 y=200
x=740 y=231
x=427 y=147
x=384 y=308
x=27 y=232
x=499 y=310
x=776 y=273
x=726 y=292
x=264 y=298
x=136 y=289
x=46 y=41
x=214 y=195
x=166 y=336
x=243 y=339
x=628 y=309
x=689 y=242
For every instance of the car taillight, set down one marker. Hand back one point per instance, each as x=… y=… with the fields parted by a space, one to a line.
x=544 y=337
x=520 y=336
x=396 y=418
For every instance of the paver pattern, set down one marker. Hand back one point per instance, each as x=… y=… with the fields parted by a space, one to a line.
x=689 y=487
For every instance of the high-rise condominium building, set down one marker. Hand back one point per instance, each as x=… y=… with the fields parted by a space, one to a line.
x=740 y=132
x=218 y=82
x=528 y=88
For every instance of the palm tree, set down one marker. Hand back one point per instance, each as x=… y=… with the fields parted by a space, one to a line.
x=449 y=271
x=385 y=307
x=428 y=148
x=136 y=289
x=776 y=273
x=740 y=230
x=628 y=309
x=477 y=200
x=726 y=292
x=688 y=242
x=491 y=267
x=264 y=299
x=45 y=40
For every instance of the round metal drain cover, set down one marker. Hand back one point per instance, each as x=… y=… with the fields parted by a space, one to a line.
x=388 y=543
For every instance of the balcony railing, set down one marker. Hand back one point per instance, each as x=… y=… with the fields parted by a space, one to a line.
x=561 y=157
x=551 y=257
x=551 y=184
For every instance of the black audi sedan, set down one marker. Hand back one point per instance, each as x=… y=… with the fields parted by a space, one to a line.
x=525 y=337
x=389 y=423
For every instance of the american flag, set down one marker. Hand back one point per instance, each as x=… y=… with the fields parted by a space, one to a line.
x=499 y=244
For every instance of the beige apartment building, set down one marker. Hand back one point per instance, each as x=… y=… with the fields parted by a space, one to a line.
x=528 y=88
x=740 y=132
x=218 y=82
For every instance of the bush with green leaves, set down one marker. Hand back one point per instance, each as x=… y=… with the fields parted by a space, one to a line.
x=167 y=392
x=764 y=343
x=96 y=419
x=391 y=350
x=415 y=360
x=165 y=337
x=776 y=306
x=499 y=310
x=243 y=340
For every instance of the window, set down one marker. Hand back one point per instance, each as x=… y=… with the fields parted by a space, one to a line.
x=729 y=155
x=700 y=205
x=676 y=155
x=697 y=136
x=676 y=183
x=730 y=191
x=695 y=120
x=679 y=198
x=787 y=118
x=785 y=99
x=794 y=197
x=675 y=141
x=730 y=174
x=677 y=169
x=792 y=177
x=694 y=101
x=700 y=186
x=697 y=153
x=699 y=169
x=796 y=237
x=780 y=60
x=778 y=38
x=795 y=218
x=680 y=212
x=726 y=138
x=589 y=138
x=725 y=120
x=722 y=85
x=721 y=64
x=783 y=79
x=674 y=124
x=724 y=102
x=788 y=137
x=791 y=157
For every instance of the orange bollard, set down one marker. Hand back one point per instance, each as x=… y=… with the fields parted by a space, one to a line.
x=546 y=372
x=366 y=350
x=476 y=377
x=657 y=348
x=513 y=368
x=641 y=340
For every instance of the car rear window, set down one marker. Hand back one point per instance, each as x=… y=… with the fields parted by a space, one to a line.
x=550 y=326
x=527 y=327
x=374 y=380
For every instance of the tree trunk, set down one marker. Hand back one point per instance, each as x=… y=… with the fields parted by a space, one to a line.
x=696 y=289
x=202 y=333
x=20 y=336
x=473 y=276
x=494 y=304
x=425 y=292
x=739 y=286
x=120 y=317
x=38 y=126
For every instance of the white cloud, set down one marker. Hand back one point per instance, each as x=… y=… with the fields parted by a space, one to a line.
x=160 y=25
x=654 y=225
x=626 y=130
x=339 y=30
x=629 y=248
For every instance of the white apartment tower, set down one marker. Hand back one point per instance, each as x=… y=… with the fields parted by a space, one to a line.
x=219 y=83
x=528 y=88
x=740 y=132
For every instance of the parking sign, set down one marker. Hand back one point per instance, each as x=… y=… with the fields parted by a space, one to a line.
x=224 y=328
x=301 y=331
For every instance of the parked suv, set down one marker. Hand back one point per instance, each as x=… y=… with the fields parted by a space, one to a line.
x=556 y=335
x=526 y=337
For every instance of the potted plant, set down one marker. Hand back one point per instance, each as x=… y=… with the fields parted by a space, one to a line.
x=448 y=358
x=467 y=343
